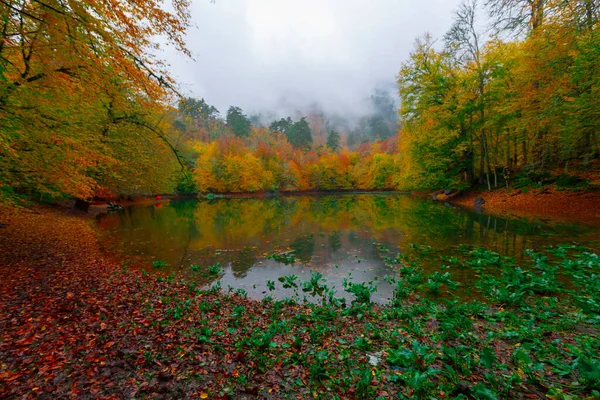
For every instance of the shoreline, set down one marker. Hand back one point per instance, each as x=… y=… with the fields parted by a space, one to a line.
x=546 y=203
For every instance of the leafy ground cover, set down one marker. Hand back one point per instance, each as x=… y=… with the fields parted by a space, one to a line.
x=77 y=323
x=539 y=202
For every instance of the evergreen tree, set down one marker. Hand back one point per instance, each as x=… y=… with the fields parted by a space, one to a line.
x=333 y=140
x=300 y=136
x=238 y=122
x=284 y=125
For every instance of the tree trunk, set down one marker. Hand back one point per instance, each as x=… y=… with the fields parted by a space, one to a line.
x=487 y=159
x=508 y=160
x=516 y=152
x=589 y=13
x=481 y=159
x=537 y=13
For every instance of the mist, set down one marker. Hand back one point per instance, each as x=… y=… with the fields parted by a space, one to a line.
x=285 y=57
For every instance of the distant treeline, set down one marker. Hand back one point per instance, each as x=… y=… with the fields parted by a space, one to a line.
x=308 y=153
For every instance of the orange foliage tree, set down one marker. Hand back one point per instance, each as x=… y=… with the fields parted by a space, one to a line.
x=266 y=161
x=82 y=99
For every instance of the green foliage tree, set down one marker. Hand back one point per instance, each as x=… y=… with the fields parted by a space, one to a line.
x=432 y=143
x=382 y=124
x=333 y=140
x=238 y=122
x=300 y=135
x=284 y=125
x=197 y=109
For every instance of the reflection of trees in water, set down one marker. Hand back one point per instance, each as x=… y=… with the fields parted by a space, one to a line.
x=245 y=260
x=335 y=241
x=255 y=226
x=184 y=208
x=304 y=247
x=444 y=226
x=354 y=238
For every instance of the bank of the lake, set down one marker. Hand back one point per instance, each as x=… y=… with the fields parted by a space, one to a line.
x=546 y=202
x=76 y=322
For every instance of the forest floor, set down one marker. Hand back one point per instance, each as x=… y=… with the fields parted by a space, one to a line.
x=77 y=323
x=546 y=202
x=580 y=203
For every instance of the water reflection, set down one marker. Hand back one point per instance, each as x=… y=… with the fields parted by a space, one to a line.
x=335 y=235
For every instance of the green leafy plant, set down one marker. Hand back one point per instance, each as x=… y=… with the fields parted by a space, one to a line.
x=215 y=269
x=287 y=258
x=289 y=281
x=362 y=291
x=159 y=264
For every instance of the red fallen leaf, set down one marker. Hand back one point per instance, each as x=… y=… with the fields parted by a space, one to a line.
x=8 y=377
x=26 y=341
x=107 y=345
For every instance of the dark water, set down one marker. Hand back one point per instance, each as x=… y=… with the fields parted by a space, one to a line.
x=335 y=235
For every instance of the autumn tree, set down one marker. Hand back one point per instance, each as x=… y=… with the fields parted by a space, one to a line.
x=432 y=141
x=76 y=78
x=465 y=42
x=317 y=121
x=517 y=15
x=524 y=104
x=330 y=173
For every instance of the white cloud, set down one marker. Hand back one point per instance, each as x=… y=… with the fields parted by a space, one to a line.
x=280 y=55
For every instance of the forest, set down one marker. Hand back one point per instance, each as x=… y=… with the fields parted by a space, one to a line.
x=87 y=110
x=210 y=264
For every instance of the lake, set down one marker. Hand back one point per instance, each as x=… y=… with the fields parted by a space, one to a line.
x=345 y=236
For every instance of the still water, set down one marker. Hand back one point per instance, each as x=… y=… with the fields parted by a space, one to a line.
x=336 y=235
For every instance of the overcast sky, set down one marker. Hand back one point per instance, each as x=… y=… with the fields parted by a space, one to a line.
x=283 y=55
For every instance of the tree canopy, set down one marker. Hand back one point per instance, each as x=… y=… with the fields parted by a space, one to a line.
x=477 y=109
x=333 y=139
x=238 y=122
x=82 y=101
